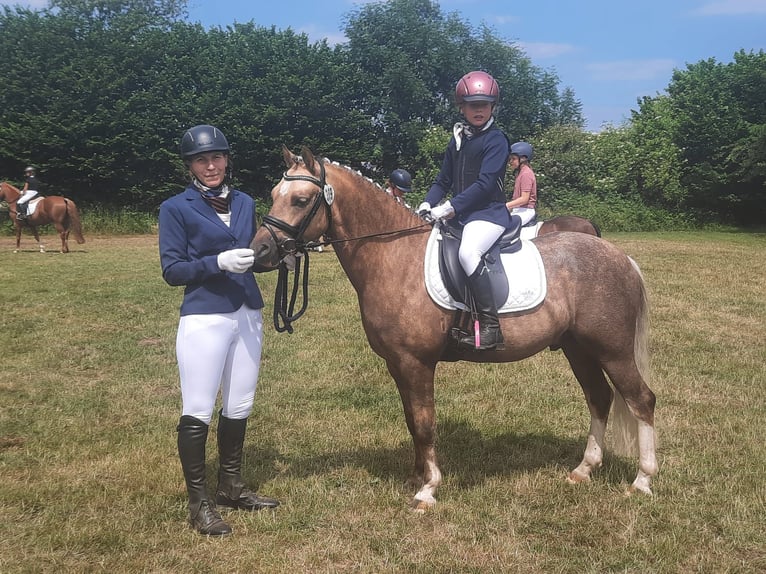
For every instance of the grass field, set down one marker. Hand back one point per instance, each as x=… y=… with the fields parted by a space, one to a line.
x=91 y=480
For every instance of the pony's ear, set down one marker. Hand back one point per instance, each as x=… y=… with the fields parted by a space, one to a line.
x=308 y=159
x=289 y=157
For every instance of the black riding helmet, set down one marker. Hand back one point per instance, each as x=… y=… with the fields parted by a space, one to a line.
x=402 y=180
x=201 y=139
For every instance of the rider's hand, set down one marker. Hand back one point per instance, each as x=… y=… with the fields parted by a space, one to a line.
x=443 y=211
x=424 y=209
x=236 y=260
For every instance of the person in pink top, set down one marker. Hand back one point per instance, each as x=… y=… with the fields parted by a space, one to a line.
x=524 y=200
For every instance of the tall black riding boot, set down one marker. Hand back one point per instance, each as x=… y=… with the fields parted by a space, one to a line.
x=232 y=491
x=490 y=335
x=204 y=518
x=21 y=211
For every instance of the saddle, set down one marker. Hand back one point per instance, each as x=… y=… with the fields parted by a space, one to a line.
x=455 y=278
x=522 y=288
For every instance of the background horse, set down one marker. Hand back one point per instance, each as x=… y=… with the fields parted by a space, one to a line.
x=569 y=223
x=595 y=310
x=60 y=211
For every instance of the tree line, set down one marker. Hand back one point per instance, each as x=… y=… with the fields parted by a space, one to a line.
x=96 y=94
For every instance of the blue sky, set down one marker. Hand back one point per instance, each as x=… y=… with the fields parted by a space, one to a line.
x=609 y=52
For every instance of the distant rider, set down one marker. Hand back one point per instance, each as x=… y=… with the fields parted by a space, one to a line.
x=30 y=190
x=399 y=183
x=524 y=198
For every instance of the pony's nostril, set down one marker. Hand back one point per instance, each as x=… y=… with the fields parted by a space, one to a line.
x=264 y=253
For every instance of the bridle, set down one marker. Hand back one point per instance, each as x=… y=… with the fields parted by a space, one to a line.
x=295 y=243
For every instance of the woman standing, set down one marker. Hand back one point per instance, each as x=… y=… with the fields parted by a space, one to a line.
x=204 y=238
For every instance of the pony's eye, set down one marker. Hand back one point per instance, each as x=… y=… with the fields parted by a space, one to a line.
x=300 y=202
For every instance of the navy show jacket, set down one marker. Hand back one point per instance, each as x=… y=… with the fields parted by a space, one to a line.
x=474 y=177
x=191 y=235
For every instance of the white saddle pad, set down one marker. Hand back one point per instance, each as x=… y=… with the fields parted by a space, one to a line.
x=531 y=231
x=32 y=205
x=527 y=284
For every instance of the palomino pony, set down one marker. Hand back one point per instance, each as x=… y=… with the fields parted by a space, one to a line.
x=60 y=211
x=595 y=310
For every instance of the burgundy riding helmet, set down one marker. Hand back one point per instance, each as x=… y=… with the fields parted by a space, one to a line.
x=477 y=86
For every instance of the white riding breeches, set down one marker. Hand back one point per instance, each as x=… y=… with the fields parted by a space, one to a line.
x=478 y=237
x=28 y=194
x=219 y=351
x=526 y=214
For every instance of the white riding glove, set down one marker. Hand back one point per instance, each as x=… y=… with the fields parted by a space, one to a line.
x=236 y=260
x=424 y=209
x=443 y=211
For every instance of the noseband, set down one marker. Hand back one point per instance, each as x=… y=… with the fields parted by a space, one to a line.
x=295 y=242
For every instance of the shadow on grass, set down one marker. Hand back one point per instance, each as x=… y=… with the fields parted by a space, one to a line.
x=463 y=452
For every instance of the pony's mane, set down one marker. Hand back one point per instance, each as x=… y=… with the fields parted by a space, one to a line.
x=371 y=183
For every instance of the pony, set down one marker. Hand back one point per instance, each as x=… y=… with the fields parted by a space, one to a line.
x=60 y=211
x=595 y=311
x=565 y=223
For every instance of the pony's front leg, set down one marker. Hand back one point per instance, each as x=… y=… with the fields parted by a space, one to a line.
x=415 y=382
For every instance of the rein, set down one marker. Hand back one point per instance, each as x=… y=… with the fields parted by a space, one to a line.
x=283 y=310
x=381 y=234
x=284 y=314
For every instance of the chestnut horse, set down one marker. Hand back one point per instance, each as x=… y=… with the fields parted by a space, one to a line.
x=595 y=310
x=60 y=211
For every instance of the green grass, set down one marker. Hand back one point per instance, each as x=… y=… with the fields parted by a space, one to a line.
x=91 y=480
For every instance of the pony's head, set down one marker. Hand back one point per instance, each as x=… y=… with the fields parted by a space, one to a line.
x=301 y=209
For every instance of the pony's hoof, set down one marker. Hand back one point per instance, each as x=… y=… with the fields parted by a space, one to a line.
x=633 y=488
x=575 y=477
x=15 y=250
x=421 y=506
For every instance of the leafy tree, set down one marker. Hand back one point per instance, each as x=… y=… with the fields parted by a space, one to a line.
x=659 y=160
x=720 y=112
x=272 y=88
x=530 y=97
x=88 y=121
x=412 y=55
x=407 y=52
x=563 y=167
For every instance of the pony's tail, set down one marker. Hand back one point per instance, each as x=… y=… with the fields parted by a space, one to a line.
x=597 y=229
x=624 y=424
x=74 y=219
